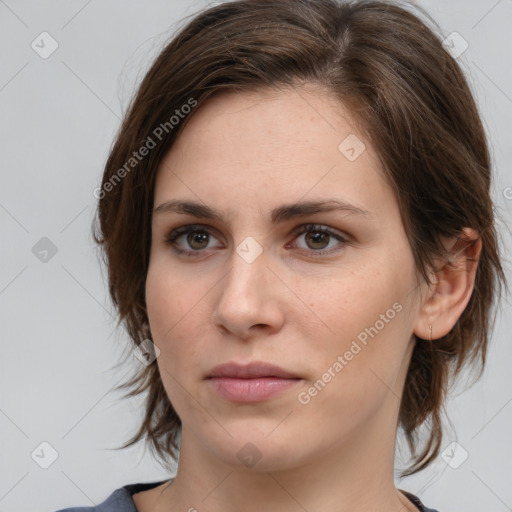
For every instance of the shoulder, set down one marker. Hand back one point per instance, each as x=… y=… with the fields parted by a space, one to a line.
x=119 y=501
x=417 y=502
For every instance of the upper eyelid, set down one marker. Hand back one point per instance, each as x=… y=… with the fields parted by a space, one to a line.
x=320 y=227
x=187 y=228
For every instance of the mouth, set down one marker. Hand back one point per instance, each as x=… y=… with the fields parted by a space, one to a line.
x=255 y=382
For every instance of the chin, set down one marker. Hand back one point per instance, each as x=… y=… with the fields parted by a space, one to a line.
x=257 y=453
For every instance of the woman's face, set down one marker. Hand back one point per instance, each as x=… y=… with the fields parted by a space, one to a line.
x=329 y=296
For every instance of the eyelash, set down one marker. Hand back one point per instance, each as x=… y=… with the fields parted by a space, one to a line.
x=198 y=228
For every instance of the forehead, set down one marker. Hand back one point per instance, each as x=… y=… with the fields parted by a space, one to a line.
x=287 y=119
x=267 y=144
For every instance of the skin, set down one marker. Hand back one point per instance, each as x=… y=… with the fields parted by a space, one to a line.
x=246 y=154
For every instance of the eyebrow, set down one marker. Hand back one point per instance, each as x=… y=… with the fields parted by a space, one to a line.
x=279 y=214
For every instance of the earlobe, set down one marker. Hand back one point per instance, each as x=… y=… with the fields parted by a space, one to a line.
x=452 y=287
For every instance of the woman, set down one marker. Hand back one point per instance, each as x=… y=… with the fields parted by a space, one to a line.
x=300 y=241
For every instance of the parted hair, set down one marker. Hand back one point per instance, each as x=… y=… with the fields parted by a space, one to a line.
x=385 y=62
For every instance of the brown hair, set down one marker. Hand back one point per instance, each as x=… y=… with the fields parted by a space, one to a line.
x=412 y=99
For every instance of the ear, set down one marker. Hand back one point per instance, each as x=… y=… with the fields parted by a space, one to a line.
x=452 y=286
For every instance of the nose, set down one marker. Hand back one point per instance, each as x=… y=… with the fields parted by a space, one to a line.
x=250 y=301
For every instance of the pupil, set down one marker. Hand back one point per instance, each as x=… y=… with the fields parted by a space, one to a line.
x=197 y=237
x=317 y=238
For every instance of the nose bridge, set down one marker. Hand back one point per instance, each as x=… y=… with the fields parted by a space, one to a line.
x=248 y=294
x=248 y=273
x=250 y=256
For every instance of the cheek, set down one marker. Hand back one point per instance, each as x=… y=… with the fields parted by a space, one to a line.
x=168 y=314
x=357 y=368
x=363 y=319
x=350 y=301
x=169 y=300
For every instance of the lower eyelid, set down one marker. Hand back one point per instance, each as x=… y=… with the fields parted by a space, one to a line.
x=177 y=234
x=342 y=243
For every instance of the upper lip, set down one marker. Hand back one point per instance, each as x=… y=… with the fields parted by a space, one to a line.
x=250 y=371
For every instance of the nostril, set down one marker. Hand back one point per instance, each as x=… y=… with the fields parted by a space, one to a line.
x=220 y=328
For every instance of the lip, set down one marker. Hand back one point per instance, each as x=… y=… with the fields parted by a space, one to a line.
x=254 y=382
x=252 y=370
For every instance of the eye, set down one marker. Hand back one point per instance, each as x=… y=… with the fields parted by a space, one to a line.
x=194 y=240
x=319 y=238
x=190 y=240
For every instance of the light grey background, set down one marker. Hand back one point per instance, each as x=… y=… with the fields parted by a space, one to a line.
x=58 y=117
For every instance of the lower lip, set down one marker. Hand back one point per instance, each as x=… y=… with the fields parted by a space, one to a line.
x=251 y=390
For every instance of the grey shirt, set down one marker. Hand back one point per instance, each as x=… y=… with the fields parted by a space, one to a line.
x=121 y=500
